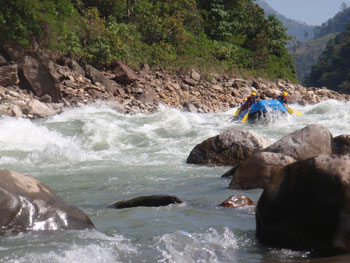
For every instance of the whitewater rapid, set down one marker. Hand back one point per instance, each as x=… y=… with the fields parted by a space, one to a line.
x=93 y=156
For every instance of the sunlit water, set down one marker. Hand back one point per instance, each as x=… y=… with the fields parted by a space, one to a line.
x=94 y=156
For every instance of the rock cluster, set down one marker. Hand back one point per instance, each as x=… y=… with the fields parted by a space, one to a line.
x=305 y=202
x=33 y=86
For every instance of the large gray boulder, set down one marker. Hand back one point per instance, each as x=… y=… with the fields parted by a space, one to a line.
x=28 y=205
x=306 y=206
x=228 y=148
x=301 y=144
x=37 y=109
x=10 y=109
x=257 y=170
x=40 y=76
x=98 y=77
x=123 y=74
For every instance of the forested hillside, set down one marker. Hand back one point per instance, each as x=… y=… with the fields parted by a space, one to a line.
x=217 y=35
x=333 y=68
x=336 y=24
x=307 y=54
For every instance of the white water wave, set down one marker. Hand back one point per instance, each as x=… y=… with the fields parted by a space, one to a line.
x=73 y=247
x=210 y=246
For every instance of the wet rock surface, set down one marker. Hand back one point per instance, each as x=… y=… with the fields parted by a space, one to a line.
x=28 y=205
x=148 y=201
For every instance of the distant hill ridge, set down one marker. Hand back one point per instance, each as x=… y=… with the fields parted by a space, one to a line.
x=301 y=31
x=307 y=54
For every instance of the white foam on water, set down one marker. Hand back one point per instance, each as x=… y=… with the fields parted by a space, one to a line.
x=85 y=246
x=210 y=246
x=24 y=142
x=101 y=153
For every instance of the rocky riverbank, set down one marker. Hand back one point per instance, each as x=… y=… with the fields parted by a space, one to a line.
x=34 y=86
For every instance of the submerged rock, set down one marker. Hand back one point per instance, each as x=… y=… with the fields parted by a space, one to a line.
x=150 y=201
x=28 y=205
x=236 y=201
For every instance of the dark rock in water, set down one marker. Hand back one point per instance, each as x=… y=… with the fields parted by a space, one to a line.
x=28 y=205
x=228 y=148
x=236 y=201
x=342 y=144
x=305 y=143
x=307 y=206
x=150 y=201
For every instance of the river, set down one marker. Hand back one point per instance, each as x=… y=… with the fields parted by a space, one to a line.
x=94 y=156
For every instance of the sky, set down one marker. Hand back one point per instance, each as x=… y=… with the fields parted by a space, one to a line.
x=312 y=12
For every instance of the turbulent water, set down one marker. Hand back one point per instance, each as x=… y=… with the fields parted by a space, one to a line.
x=94 y=156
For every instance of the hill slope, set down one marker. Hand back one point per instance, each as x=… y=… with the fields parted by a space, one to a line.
x=333 y=68
x=307 y=54
x=301 y=31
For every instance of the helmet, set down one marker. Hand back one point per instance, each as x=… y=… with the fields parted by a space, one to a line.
x=244 y=99
x=253 y=93
x=285 y=94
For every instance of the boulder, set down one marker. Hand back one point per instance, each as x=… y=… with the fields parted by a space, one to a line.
x=149 y=201
x=10 y=109
x=40 y=77
x=123 y=74
x=301 y=144
x=189 y=107
x=9 y=75
x=257 y=170
x=236 y=201
x=38 y=109
x=74 y=65
x=307 y=206
x=28 y=205
x=196 y=76
x=98 y=77
x=342 y=145
x=229 y=148
x=148 y=96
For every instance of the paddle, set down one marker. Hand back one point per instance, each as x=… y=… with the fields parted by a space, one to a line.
x=235 y=114
x=291 y=111
x=245 y=118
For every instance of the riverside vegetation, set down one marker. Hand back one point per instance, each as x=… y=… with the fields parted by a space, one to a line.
x=219 y=35
x=174 y=46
